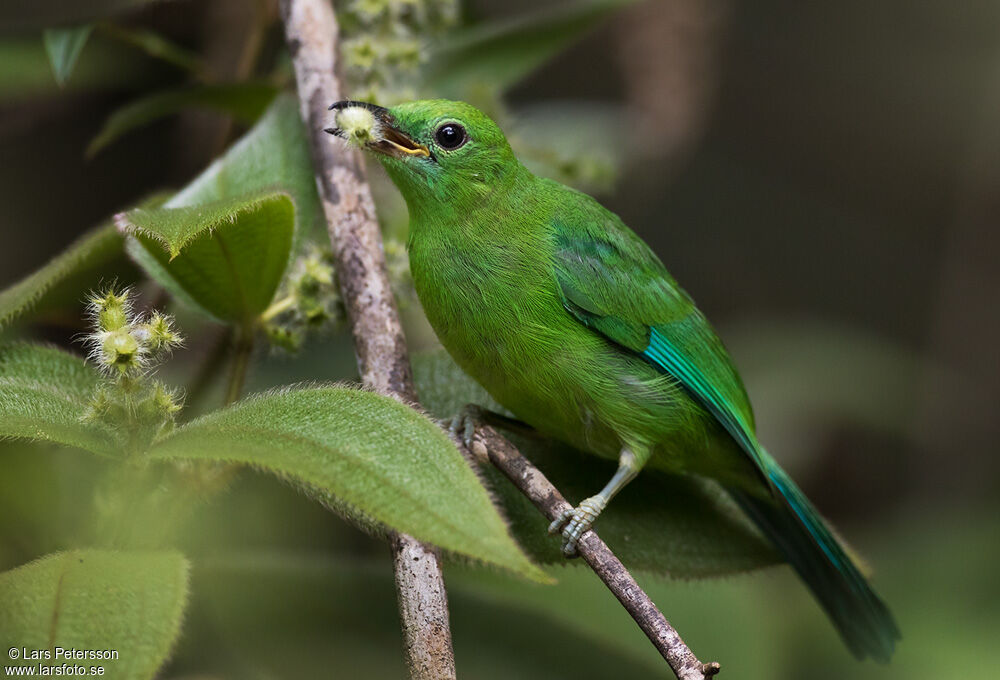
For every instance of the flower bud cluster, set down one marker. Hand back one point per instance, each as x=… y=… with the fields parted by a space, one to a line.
x=126 y=346
x=309 y=300
x=123 y=344
x=385 y=44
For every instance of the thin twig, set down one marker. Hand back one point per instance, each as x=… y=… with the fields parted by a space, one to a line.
x=311 y=34
x=487 y=443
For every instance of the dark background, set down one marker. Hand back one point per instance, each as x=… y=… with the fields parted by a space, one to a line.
x=823 y=178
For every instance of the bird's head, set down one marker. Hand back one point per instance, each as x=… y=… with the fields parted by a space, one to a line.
x=437 y=152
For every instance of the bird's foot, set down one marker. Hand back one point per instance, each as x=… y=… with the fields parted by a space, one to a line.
x=575 y=522
x=462 y=426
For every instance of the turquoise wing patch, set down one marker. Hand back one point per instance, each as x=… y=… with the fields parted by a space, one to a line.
x=662 y=353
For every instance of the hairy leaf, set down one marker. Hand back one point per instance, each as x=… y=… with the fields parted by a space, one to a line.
x=92 y=250
x=678 y=525
x=95 y=258
x=365 y=454
x=93 y=600
x=43 y=396
x=63 y=45
x=502 y=53
x=224 y=241
x=273 y=155
x=226 y=257
x=244 y=101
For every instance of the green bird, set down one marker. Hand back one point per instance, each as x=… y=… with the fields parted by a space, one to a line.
x=571 y=322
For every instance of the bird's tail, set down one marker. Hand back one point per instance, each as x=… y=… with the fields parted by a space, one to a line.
x=800 y=534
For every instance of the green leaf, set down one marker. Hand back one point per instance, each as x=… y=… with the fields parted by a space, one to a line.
x=26 y=71
x=273 y=155
x=238 y=231
x=43 y=395
x=682 y=526
x=96 y=257
x=244 y=101
x=90 y=252
x=25 y=14
x=131 y=603
x=63 y=45
x=502 y=53
x=365 y=454
x=226 y=257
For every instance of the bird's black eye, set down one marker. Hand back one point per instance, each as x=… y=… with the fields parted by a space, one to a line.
x=450 y=136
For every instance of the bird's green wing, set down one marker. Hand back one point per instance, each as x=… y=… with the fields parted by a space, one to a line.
x=614 y=284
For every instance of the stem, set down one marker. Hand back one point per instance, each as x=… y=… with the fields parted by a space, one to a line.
x=276 y=308
x=242 y=351
x=486 y=442
x=311 y=33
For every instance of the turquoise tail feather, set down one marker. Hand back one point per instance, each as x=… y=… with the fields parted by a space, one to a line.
x=800 y=534
x=786 y=516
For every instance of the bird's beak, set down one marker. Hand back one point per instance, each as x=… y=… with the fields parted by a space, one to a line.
x=389 y=140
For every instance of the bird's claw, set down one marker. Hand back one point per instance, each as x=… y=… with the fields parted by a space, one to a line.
x=462 y=429
x=575 y=522
x=463 y=425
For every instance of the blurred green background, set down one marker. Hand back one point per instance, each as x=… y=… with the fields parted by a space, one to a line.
x=822 y=177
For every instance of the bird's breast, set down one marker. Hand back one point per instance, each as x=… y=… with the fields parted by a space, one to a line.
x=503 y=322
x=493 y=304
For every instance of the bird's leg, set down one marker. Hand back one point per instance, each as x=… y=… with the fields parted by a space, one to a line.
x=574 y=522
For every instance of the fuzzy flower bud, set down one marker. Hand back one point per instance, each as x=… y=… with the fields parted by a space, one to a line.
x=160 y=333
x=121 y=350
x=110 y=310
x=309 y=299
x=385 y=43
x=361 y=54
x=99 y=406
x=125 y=346
x=165 y=400
x=288 y=339
x=358 y=125
x=122 y=343
x=312 y=274
x=404 y=54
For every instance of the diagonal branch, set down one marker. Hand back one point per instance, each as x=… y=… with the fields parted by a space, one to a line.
x=311 y=34
x=487 y=443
